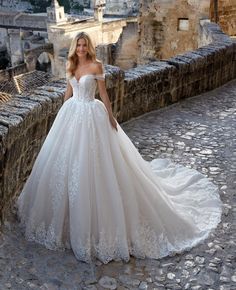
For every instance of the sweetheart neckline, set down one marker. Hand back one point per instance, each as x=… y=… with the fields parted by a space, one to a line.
x=78 y=80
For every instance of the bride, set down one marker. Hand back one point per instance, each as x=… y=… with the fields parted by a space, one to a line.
x=90 y=190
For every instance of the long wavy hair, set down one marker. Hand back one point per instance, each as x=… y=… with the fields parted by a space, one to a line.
x=73 y=60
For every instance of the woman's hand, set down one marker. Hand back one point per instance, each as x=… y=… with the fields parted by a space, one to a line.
x=113 y=122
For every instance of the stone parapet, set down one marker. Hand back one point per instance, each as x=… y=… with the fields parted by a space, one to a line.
x=26 y=119
x=211 y=33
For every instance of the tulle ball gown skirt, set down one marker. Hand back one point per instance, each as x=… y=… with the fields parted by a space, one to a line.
x=90 y=190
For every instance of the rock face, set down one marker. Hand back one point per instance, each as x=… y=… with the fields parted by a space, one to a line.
x=169 y=27
x=226 y=15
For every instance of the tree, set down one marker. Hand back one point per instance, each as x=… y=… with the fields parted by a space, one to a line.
x=78 y=7
x=65 y=4
x=41 y=5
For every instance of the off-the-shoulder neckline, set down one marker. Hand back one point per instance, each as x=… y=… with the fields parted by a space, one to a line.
x=83 y=76
x=94 y=75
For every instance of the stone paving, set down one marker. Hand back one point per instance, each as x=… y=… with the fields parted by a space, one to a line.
x=199 y=132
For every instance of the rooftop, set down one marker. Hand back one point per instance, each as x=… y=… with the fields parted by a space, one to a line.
x=23 y=82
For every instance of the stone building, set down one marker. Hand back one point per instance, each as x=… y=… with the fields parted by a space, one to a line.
x=102 y=31
x=43 y=40
x=56 y=13
x=225 y=14
x=21 y=31
x=169 y=27
x=115 y=7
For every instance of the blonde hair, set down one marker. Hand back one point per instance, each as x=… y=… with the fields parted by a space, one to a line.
x=73 y=59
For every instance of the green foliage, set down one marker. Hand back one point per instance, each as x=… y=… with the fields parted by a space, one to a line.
x=41 y=5
x=66 y=4
x=78 y=7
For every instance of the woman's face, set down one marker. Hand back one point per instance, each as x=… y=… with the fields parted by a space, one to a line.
x=81 y=48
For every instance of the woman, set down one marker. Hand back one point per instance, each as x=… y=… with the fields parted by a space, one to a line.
x=90 y=189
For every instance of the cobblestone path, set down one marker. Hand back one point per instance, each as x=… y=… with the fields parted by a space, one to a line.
x=199 y=132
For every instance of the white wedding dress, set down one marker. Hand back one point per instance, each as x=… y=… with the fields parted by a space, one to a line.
x=90 y=190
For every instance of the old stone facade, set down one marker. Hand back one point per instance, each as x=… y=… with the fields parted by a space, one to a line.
x=167 y=28
x=226 y=11
x=26 y=119
x=115 y=7
x=56 y=13
x=20 y=32
x=124 y=52
x=52 y=34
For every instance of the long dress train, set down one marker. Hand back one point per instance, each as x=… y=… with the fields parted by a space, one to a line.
x=90 y=190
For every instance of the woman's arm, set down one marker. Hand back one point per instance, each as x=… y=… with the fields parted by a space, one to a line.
x=68 y=92
x=104 y=96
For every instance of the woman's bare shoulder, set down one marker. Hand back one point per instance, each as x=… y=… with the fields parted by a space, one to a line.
x=98 y=67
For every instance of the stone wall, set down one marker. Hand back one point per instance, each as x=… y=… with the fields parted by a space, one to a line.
x=26 y=119
x=226 y=15
x=3 y=37
x=169 y=27
x=106 y=53
x=124 y=52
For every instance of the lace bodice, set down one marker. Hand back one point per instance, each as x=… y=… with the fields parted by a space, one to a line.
x=84 y=89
